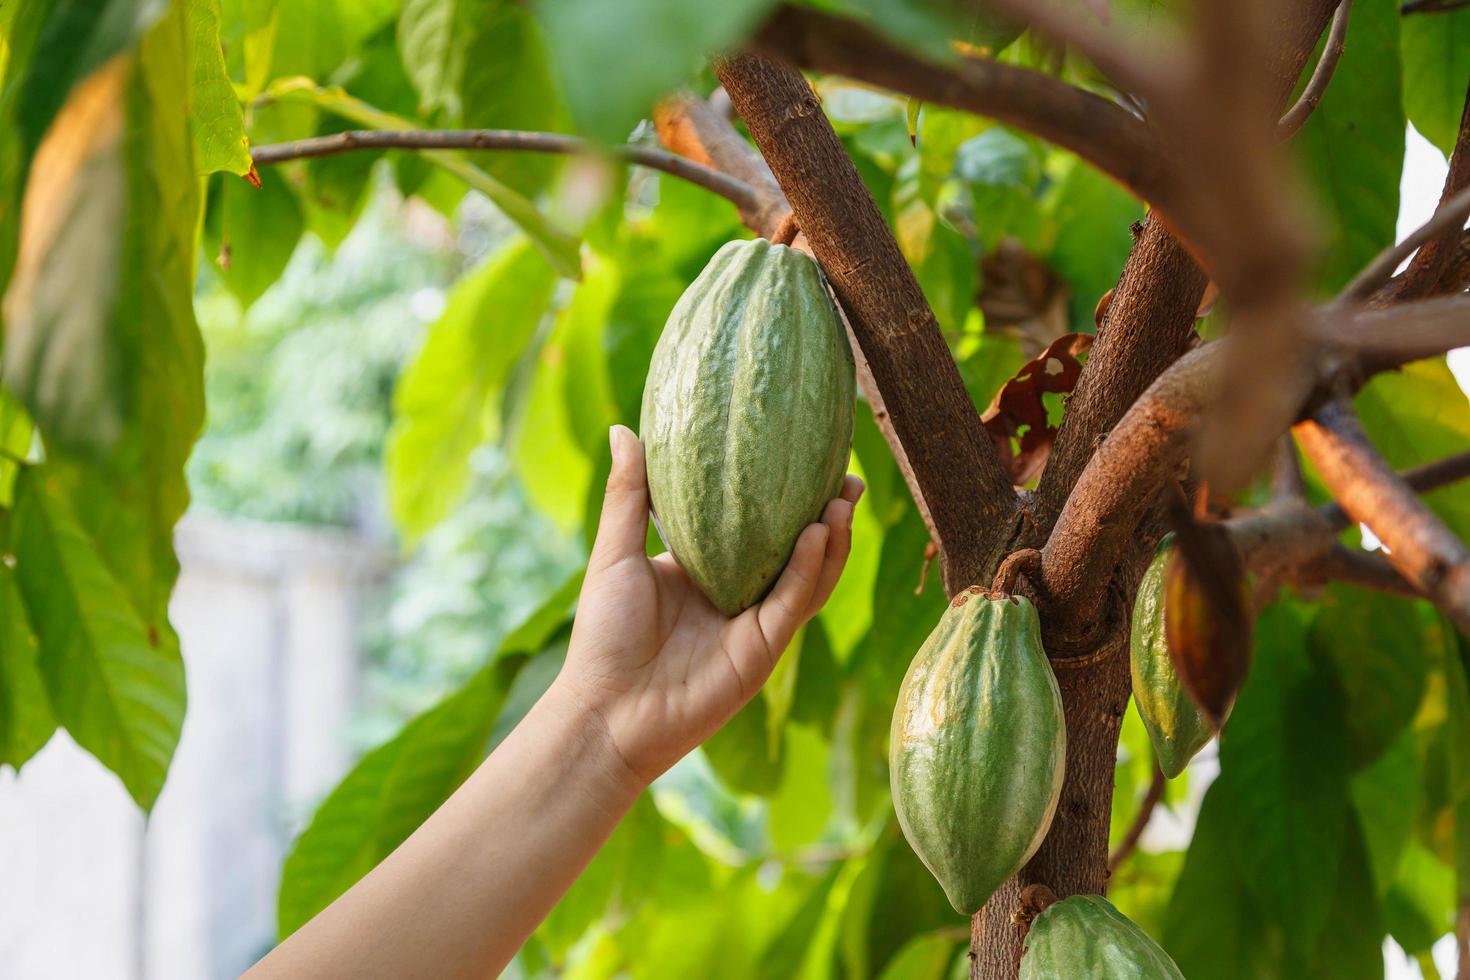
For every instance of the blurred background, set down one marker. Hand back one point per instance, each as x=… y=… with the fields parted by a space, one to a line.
x=313 y=626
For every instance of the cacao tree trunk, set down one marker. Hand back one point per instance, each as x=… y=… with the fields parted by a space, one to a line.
x=1074 y=857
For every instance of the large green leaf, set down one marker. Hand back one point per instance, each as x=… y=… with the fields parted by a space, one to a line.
x=219 y=122
x=893 y=899
x=1352 y=147
x=1283 y=777
x=673 y=39
x=1091 y=216
x=390 y=792
x=250 y=233
x=446 y=402
x=1376 y=645
x=26 y=721
x=432 y=37
x=1436 y=52
x=1386 y=796
x=116 y=685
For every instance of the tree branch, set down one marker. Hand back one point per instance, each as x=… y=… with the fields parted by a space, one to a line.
x=1382 y=339
x=1099 y=131
x=1140 y=822
x=1420 y=547
x=696 y=129
x=1150 y=321
x=737 y=191
x=1448 y=221
x=1316 y=87
x=963 y=481
x=1432 y=6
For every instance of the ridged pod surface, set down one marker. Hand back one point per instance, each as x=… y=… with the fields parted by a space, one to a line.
x=1176 y=726
x=1085 y=938
x=747 y=418
x=978 y=745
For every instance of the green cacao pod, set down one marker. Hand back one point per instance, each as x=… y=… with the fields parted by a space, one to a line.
x=747 y=418
x=977 y=746
x=1085 y=938
x=1176 y=726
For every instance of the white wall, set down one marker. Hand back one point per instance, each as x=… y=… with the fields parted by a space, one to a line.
x=268 y=617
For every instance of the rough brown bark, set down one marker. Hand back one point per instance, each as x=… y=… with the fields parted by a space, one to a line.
x=1426 y=273
x=965 y=486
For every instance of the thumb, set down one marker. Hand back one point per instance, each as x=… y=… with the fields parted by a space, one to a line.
x=623 y=527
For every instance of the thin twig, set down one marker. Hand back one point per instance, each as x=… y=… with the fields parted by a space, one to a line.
x=736 y=191
x=1316 y=86
x=1419 y=545
x=1381 y=339
x=1451 y=214
x=1140 y=821
x=1429 y=272
x=1369 y=569
x=1420 y=479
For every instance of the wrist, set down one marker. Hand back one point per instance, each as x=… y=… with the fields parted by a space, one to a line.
x=593 y=738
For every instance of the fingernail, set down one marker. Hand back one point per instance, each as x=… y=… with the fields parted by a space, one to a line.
x=615 y=439
x=862 y=489
x=847 y=519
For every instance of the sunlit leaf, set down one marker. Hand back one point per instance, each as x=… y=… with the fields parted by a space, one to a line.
x=445 y=402
x=802 y=805
x=219 y=123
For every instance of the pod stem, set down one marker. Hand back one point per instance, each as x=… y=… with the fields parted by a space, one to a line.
x=1027 y=562
x=1035 y=899
x=786 y=231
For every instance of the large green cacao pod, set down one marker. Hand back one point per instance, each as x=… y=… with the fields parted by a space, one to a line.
x=747 y=418
x=1086 y=938
x=1175 y=724
x=977 y=746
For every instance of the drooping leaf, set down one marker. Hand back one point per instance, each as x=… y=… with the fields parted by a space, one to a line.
x=1352 y=147
x=1436 y=53
x=673 y=40
x=117 y=686
x=219 y=123
x=1386 y=796
x=250 y=233
x=1283 y=778
x=26 y=721
x=446 y=400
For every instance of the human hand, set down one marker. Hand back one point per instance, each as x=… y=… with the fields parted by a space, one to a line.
x=651 y=658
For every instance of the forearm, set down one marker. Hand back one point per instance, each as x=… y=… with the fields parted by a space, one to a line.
x=462 y=894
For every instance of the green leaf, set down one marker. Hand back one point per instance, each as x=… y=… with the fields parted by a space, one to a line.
x=1091 y=216
x=1436 y=53
x=1420 y=905
x=1386 y=797
x=741 y=754
x=432 y=36
x=26 y=721
x=1352 y=147
x=390 y=793
x=893 y=899
x=1375 y=644
x=219 y=122
x=250 y=234
x=1283 y=778
x=117 y=686
x=1416 y=415
x=446 y=401
x=802 y=805
x=673 y=39
x=314 y=37
x=925 y=957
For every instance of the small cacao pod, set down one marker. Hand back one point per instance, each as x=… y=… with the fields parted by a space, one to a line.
x=747 y=418
x=1207 y=622
x=1176 y=725
x=977 y=746
x=1085 y=938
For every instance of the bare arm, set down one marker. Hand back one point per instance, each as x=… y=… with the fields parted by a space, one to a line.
x=653 y=669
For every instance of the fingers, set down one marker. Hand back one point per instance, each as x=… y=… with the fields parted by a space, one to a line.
x=838 y=518
x=781 y=613
x=623 y=527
